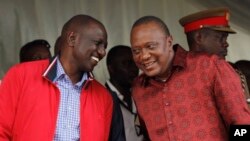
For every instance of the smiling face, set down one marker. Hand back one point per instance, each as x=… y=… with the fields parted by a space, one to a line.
x=152 y=49
x=89 y=46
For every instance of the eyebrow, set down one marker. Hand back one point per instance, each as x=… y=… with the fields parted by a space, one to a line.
x=147 y=43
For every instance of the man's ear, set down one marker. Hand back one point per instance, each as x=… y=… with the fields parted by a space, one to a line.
x=110 y=69
x=198 y=37
x=71 y=39
x=170 y=40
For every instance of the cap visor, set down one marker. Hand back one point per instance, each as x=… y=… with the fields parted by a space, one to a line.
x=224 y=29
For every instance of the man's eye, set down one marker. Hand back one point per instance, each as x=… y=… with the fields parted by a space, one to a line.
x=100 y=44
x=96 y=42
x=135 y=51
x=152 y=45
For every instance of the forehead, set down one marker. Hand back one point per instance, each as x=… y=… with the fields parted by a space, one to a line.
x=123 y=54
x=217 y=32
x=150 y=27
x=94 y=32
x=94 y=28
x=39 y=47
x=147 y=32
x=38 y=50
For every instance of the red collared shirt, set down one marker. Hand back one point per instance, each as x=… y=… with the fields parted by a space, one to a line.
x=199 y=101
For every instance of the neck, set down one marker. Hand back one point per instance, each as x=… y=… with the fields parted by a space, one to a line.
x=165 y=77
x=196 y=48
x=71 y=70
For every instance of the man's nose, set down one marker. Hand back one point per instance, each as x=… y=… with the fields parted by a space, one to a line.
x=225 y=44
x=101 y=51
x=145 y=54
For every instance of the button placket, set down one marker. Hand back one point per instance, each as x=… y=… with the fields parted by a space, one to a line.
x=168 y=114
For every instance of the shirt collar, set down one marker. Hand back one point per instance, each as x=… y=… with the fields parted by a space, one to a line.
x=61 y=74
x=179 y=57
x=113 y=88
x=51 y=72
x=59 y=70
x=120 y=96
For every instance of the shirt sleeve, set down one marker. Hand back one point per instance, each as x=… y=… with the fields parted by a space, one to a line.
x=229 y=95
x=8 y=102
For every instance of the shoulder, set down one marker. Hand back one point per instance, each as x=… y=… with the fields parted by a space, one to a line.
x=204 y=60
x=24 y=74
x=29 y=68
x=209 y=64
x=139 y=85
x=140 y=80
x=33 y=65
x=99 y=89
x=98 y=85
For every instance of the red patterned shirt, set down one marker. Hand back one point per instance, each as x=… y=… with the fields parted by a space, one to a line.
x=199 y=101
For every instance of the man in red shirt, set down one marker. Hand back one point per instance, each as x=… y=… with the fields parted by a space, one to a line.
x=207 y=32
x=183 y=95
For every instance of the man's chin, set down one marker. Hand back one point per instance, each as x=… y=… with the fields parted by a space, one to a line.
x=150 y=74
x=89 y=69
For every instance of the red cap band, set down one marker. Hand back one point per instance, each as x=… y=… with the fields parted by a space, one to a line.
x=213 y=21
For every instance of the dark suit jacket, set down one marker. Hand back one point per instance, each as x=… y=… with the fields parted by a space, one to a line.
x=117 y=132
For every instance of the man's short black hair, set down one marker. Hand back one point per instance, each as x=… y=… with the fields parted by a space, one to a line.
x=115 y=52
x=29 y=46
x=148 y=19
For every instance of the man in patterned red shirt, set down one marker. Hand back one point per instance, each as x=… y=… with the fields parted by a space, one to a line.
x=183 y=95
x=207 y=31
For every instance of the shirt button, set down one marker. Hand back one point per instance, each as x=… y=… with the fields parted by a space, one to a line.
x=65 y=126
x=167 y=104
x=164 y=89
x=164 y=96
x=170 y=122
